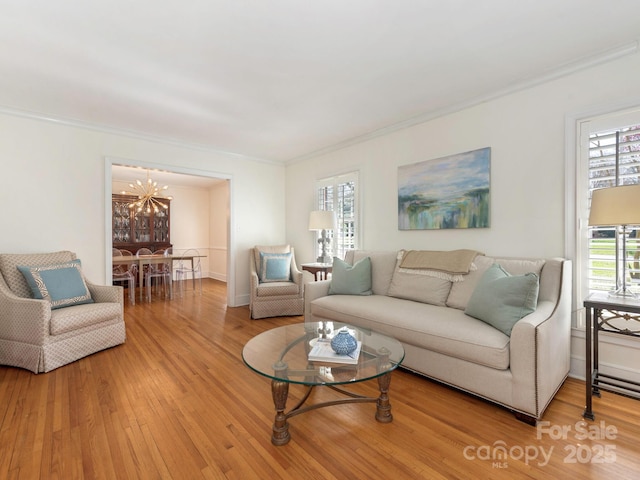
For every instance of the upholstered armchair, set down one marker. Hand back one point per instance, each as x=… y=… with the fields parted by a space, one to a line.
x=277 y=287
x=72 y=318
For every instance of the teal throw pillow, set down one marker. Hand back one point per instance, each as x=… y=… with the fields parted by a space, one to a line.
x=351 y=279
x=275 y=267
x=62 y=284
x=501 y=299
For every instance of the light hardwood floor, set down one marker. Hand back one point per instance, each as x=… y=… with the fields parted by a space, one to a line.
x=177 y=402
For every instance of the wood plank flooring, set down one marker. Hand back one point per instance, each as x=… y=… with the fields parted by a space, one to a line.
x=177 y=402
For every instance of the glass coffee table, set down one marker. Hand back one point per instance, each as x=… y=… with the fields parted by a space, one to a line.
x=281 y=354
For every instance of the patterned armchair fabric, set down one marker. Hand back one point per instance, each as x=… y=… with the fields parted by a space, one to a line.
x=37 y=338
x=275 y=298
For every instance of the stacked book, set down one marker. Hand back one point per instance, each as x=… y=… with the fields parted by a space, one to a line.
x=322 y=352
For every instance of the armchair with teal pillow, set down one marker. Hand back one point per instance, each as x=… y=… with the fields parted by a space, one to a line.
x=276 y=283
x=50 y=315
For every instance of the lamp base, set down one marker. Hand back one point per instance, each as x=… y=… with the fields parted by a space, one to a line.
x=622 y=292
x=324 y=242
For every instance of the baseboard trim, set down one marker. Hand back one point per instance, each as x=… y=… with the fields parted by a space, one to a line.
x=578 y=370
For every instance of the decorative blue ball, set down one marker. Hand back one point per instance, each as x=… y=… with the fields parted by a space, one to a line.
x=343 y=343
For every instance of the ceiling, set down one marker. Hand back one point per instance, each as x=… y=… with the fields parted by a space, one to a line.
x=281 y=79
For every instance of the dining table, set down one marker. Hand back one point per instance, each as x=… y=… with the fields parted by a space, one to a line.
x=142 y=260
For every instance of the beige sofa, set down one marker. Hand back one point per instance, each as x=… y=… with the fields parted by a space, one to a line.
x=38 y=338
x=522 y=371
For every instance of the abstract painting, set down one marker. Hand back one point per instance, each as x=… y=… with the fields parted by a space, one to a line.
x=448 y=192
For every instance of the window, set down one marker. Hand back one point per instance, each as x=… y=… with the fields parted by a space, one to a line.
x=608 y=155
x=339 y=194
x=614 y=159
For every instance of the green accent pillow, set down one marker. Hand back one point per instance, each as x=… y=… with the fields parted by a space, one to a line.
x=275 y=267
x=501 y=299
x=351 y=279
x=62 y=284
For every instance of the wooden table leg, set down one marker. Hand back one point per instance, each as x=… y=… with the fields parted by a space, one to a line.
x=383 y=407
x=280 y=392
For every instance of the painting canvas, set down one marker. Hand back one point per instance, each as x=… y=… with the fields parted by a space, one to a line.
x=448 y=192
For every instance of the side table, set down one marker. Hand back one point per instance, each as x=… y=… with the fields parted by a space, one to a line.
x=619 y=315
x=320 y=271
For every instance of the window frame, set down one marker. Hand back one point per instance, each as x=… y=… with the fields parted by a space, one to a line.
x=579 y=127
x=321 y=204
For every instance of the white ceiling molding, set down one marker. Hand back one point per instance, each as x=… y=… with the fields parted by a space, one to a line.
x=126 y=133
x=608 y=56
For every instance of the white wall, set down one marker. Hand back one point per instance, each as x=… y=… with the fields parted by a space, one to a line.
x=218 y=230
x=526 y=133
x=190 y=214
x=52 y=192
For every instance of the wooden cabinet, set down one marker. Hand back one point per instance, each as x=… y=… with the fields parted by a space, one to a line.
x=134 y=230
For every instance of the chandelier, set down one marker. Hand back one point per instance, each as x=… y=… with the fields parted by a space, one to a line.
x=148 y=196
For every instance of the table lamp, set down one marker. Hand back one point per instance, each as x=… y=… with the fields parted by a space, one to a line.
x=617 y=206
x=322 y=220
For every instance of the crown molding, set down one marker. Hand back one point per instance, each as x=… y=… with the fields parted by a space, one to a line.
x=563 y=71
x=43 y=117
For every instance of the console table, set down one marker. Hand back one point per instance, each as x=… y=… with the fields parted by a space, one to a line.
x=618 y=315
x=320 y=271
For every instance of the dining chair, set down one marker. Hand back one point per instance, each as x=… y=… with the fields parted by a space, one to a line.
x=133 y=268
x=145 y=268
x=144 y=251
x=188 y=264
x=121 y=273
x=160 y=271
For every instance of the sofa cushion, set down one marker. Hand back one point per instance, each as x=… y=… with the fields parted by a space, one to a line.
x=270 y=289
x=501 y=299
x=351 y=279
x=461 y=291
x=275 y=267
x=444 y=330
x=383 y=263
x=413 y=285
x=61 y=283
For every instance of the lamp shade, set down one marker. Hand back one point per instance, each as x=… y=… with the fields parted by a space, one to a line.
x=322 y=220
x=615 y=206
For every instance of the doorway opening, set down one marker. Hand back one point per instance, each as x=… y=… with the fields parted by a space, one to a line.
x=201 y=209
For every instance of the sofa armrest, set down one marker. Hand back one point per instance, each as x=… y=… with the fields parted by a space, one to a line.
x=23 y=319
x=106 y=293
x=312 y=291
x=540 y=349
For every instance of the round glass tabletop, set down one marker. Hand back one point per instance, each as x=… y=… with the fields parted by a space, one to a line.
x=282 y=354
